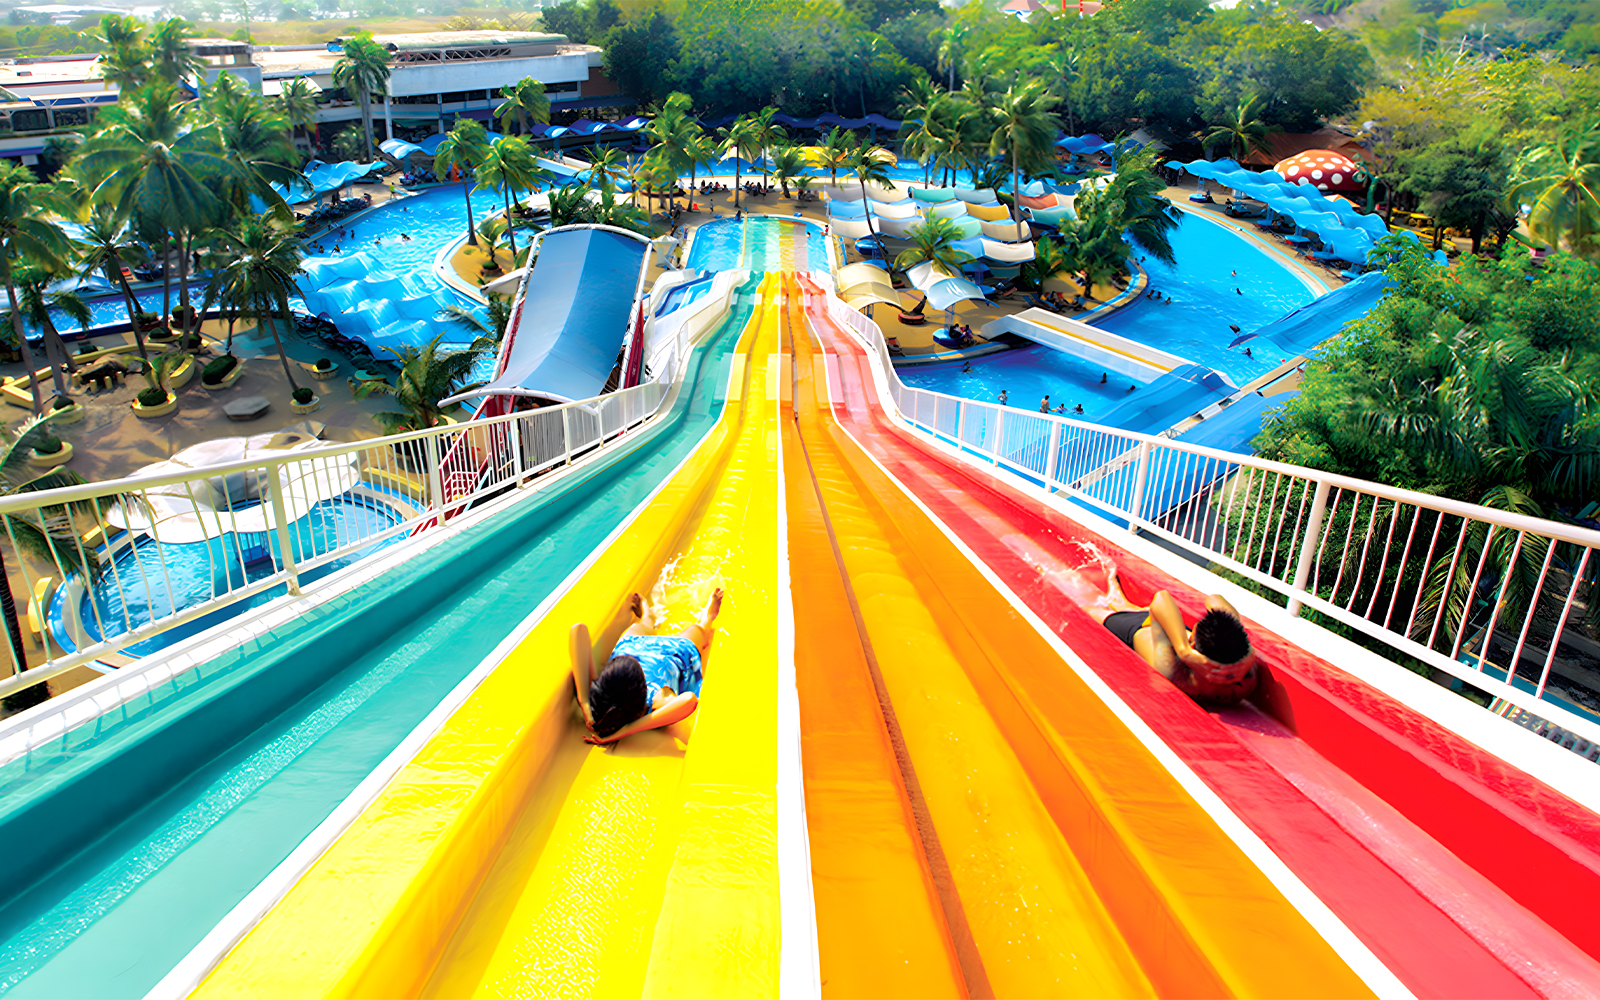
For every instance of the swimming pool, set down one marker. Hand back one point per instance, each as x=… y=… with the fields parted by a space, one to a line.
x=1212 y=262
x=1027 y=374
x=1195 y=326
x=760 y=243
x=146 y=581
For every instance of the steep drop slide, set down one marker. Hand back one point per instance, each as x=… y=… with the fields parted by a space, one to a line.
x=1440 y=881
x=511 y=859
x=971 y=836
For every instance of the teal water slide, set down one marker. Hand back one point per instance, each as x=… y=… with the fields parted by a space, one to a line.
x=131 y=837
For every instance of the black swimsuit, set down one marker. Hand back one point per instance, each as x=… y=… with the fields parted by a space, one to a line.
x=1125 y=624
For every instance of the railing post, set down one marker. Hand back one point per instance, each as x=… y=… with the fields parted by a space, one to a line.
x=435 y=480
x=566 y=434
x=1141 y=467
x=1050 y=456
x=281 y=517
x=999 y=425
x=961 y=423
x=1308 y=545
x=516 y=427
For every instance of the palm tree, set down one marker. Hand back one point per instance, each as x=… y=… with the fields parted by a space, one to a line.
x=1143 y=212
x=36 y=304
x=499 y=309
x=921 y=106
x=24 y=232
x=700 y=150
x=787 y=164
x=263 y=261
x=1560 y=182
x=767 y=132
x=298 y=105
x=125 y=62
x=105 y=245
x=949 y=53
x=464 y=148
x=364 y=69
x=1094 y=243
x=935 y=241
x=570 y=204
x=1025 y=127
x=867 y=165
x=173 y=60
x=740 y=140
x=525 y=105
x=427 y=375
x=510 y=166
x=144 y=162
x=605 y=166
x=1050 y=258
x=1242 y=132
x=256 y=139
x=835 y=152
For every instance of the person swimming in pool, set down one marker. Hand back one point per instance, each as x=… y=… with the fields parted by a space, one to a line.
x=650 y=681
x=1212 y=663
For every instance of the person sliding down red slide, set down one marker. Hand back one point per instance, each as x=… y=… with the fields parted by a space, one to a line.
x=1453 y=867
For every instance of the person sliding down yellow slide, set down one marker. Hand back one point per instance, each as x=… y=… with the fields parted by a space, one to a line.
x=650 y=681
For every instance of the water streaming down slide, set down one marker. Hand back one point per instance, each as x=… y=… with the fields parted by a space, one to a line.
x=1443 y=860
x=509 y=858
x=143 y=830
x=971 y=835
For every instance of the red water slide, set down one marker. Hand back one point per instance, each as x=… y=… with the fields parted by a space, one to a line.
x=1463 y=874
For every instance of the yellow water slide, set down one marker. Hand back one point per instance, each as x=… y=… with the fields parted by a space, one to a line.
x=511 y=859
x=981 y=822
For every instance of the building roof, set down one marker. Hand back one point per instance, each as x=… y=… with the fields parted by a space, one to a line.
x=423 y=40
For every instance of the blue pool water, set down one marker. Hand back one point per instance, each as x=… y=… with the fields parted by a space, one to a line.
x=1194 y=327
x=760 y=243
x=1027 y=374
x=135 y=585
x=1202 y=283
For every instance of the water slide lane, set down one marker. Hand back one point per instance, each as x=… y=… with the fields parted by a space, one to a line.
x=151 y=824
x=1057 y=859
x=1437 y=923
x=508 y=858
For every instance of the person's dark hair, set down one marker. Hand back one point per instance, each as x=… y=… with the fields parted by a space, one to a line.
x=1221 y=638
x=618 y=695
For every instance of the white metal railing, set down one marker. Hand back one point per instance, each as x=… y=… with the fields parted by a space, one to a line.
x=167 y=550
x=1459 y=587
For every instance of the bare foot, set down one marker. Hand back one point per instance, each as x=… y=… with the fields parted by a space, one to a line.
x=713 y=608
x=636 y=605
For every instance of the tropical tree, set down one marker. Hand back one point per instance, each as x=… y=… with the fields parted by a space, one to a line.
x=767 y=133
x=427 y=374
x=106 y=246
x=155 y=169
x=787 y=164
x=1559 y=181
x=26 y=232
x=498 y=308
x=255 y=138
x=741 y=140
x=1242 y=132
x=262 y=264
x=173 y=60
x=298 y=105
x=1025 y=129
x=922 y=104
x=510 y=166
x=363 y=70
x=950 y=54
x=867 y=164
x=570 y=204
x=463 y=148
x=1094 y=241
x=526 y=105
x=125 y=59
x=1050 y=258
x=606 y=166
x=1143 y=212
x=835 y=152
x=700 y=150
x=935 y=241
x=37 y=302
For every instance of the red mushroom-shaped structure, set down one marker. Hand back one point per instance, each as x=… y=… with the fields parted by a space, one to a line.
x=1328 y=170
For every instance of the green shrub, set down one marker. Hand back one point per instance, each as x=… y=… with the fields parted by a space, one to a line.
x=218 y=369
x=48 y=445
x=304 y=395
x=62 y=403
x=323 y=364
x=152 y=397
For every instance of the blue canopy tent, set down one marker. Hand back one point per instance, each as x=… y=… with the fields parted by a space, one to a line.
x=577 y=303
x=324 y=177
x=1351 y=235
